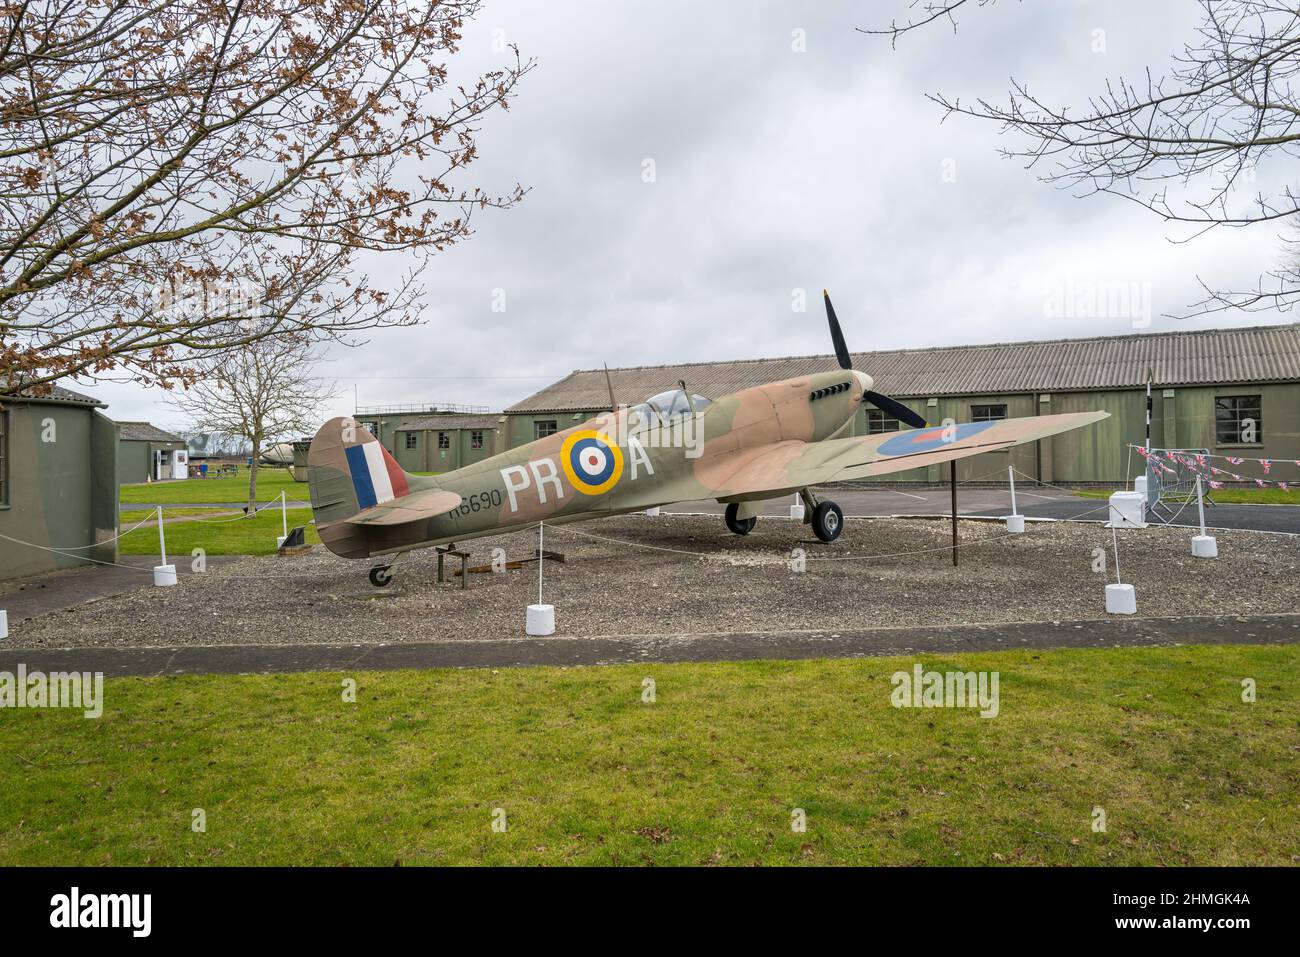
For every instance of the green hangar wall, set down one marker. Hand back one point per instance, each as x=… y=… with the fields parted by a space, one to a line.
x=58 y=483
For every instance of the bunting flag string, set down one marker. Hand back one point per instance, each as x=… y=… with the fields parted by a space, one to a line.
x=1199 y=463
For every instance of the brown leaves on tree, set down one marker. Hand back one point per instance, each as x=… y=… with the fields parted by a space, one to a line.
x=183 y=179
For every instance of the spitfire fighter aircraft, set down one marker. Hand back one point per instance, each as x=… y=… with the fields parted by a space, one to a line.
x=741 y=449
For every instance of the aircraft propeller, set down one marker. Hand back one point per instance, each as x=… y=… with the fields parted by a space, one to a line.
x=878 y=399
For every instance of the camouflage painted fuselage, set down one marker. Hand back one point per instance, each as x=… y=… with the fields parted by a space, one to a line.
x=736 y=449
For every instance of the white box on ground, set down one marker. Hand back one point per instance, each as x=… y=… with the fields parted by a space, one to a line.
x=4 y=624
x=1204 y=546
x=1140 y=484
x=540 y=620
x=653 y=512
x=164 y=575
x=279 y=541
x=1121 y=600
x=1128 y=510
x=1016 y=524
x=796 y=511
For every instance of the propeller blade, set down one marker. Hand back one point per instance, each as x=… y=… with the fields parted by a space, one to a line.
x=837 y=337
x=883 y=402
x=895 y=408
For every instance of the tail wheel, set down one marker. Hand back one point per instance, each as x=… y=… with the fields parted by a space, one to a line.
x=827 y=521
x=741 y=526
x=381 y=575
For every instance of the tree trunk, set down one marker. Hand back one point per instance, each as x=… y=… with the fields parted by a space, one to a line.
x=252 y=478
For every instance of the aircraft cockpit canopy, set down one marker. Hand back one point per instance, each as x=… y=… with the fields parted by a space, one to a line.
x=670 y=405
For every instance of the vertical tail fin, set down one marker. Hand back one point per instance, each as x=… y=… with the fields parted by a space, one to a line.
x=349 y=470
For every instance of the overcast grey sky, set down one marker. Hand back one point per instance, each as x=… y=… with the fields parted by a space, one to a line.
x=775 y=170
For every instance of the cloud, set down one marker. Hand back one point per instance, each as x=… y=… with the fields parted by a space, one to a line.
x=775 y=170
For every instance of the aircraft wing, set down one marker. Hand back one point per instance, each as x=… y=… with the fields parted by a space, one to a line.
x=409 y=508
x=788 y=465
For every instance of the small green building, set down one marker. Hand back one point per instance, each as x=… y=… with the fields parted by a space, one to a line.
x=382 y=421
x=440 y=443
x=1232 y=391
x=146 y=453
x=436 y=437
x=58 y=482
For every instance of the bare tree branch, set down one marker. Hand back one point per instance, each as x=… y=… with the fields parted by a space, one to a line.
x=930 y=11
x=153 y=151
x=1188 y=144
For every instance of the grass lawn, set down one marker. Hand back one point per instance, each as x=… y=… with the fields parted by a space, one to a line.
x=1225 y=496
x=219 y=536
x=286 y=772
x=270 y=482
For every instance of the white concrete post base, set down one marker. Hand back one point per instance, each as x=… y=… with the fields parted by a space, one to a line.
x=540 y=620
x=1016 y=524
x=164 y=575
x=1121 y=600
x=1205 y=546
x=1128 y=510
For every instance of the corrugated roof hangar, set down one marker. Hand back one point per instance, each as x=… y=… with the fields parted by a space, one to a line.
x=1209 y=385
x=1208 y=357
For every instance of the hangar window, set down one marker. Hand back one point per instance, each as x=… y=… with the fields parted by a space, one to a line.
x=412 y=440
x=1237 y=420
x=987 y=413
x=544 y=428
x=476 y=439
x=444 y=440
x=4 y=458
x=371 y=427
x=878 y=422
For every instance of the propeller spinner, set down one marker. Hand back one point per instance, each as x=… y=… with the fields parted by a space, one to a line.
x=879 y=400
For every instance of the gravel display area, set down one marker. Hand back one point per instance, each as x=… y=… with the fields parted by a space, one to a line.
x=696 y=579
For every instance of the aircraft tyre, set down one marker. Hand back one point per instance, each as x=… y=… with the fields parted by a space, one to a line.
x=739 y=526
x=827 y=521
x=381 y=575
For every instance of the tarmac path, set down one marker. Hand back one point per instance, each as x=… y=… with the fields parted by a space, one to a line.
x=649 y=649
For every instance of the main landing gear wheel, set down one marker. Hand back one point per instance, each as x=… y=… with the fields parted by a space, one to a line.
x=827 y=521
x=738 y=525
x=381 y=575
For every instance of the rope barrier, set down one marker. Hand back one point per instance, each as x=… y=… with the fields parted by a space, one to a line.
x=733 y=559
x=67 y=554
x=75 y=548
x=729 y=558
x=881 y=487
x=714 y=556
x=948 y=548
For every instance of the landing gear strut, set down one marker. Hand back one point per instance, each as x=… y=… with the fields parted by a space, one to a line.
x=381 y=575
x=741 y=526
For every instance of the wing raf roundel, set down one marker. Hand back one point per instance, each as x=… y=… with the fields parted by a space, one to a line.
x=915 y=441
x=591 y=463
